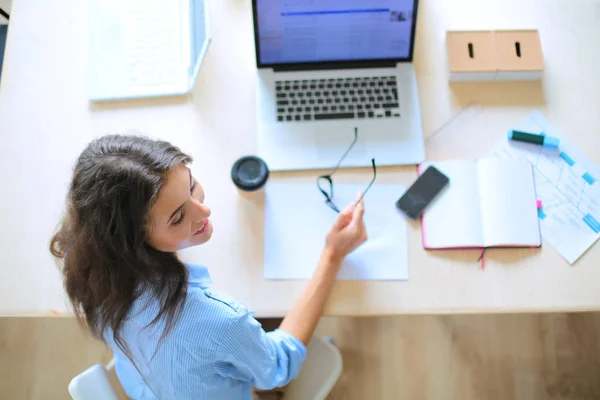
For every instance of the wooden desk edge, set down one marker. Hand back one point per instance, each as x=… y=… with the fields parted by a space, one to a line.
x=448 y=311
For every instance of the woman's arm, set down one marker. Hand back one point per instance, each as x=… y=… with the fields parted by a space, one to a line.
x=347 y=233
x=269 y=360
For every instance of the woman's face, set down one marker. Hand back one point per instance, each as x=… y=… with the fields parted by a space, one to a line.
x=179 y=219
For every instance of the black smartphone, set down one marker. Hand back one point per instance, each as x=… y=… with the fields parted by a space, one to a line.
x=422 y=192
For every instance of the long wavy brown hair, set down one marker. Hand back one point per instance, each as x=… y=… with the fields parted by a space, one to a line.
x=102 y=243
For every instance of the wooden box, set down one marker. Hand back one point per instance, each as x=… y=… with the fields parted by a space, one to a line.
x=472 y=55
x=519 y=55
x=513 y=55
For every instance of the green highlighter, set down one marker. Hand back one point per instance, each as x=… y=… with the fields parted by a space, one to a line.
x=543 y=140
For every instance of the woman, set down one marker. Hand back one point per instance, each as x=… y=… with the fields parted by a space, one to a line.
x=132 y=204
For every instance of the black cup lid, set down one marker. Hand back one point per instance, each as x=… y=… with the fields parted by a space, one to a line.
x=249 y=173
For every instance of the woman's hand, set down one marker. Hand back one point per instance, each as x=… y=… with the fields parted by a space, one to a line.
x=348 y=232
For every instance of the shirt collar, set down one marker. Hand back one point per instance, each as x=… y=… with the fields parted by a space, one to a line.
x=198 y=274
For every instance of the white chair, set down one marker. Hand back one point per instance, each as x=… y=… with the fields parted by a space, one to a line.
x=97 y=383
x=320 y=371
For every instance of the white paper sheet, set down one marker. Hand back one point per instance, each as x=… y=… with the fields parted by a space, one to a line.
x=566 y=182
x=508 y=203
x=453 y=219
x=297 y=221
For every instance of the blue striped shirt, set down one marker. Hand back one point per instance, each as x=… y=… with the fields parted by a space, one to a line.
x=216 y=350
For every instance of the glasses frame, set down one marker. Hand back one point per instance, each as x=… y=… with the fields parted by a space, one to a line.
x=329 y=178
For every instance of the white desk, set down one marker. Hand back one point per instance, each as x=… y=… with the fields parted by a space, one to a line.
x=46 y=120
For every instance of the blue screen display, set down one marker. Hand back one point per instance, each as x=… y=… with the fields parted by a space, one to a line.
x=304 y=31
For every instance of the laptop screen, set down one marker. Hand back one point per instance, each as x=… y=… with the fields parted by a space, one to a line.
x=317 y=31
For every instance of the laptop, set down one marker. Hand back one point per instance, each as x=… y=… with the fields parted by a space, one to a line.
x=328 y=66
x=146 y=48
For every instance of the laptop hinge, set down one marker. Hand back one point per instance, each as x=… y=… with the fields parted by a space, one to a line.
x=335 y=65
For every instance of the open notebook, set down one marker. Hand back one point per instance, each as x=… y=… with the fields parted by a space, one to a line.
x=488 y=203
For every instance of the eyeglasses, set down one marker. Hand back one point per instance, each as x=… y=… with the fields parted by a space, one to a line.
x=325 y=183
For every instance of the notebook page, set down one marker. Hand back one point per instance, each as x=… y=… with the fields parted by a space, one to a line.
x=453 y=218
x=508 y=203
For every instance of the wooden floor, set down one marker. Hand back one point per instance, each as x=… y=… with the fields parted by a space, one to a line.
x=469 y=357
x=554 y=356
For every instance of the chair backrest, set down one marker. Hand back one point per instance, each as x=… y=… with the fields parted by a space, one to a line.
x=92 y=384
x=320 y=371
x=97 y=383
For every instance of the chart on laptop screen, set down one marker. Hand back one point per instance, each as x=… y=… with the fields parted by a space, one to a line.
x=333 y=30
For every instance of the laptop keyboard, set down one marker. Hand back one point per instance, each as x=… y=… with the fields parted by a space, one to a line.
x=343 y=98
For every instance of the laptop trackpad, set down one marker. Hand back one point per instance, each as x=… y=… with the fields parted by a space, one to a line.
x=333 y=145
